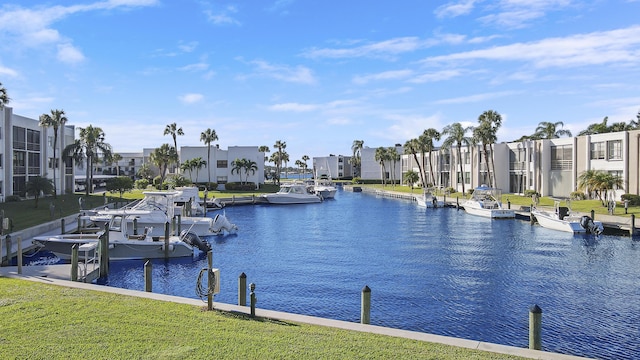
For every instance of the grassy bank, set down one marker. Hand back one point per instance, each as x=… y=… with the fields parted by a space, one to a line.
x=41 y=321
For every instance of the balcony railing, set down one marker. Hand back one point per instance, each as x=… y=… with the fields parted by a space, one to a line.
x=561 y=165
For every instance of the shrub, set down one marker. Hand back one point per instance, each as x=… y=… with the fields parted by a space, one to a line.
x=577 y=195
x=177 y=180
x=142 y=184
x=634 y=200
x=12 y=198
x=236 y=186
x=356 y=180
x=449 y=190
x=530 y=192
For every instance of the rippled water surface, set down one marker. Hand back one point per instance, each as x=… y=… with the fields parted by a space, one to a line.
x=438 y=271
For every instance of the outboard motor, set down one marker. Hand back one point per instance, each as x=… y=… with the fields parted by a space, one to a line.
x=591 y=227
x=195 y=241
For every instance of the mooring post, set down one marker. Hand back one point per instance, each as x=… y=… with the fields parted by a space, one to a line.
x=458 y=202
x=242 y=289
x=365 y=307
x=253 y=299
x=19 y=254
x=135 y=226
x=532 y=219
x=166 y=240
x=74 y=262
x=535 y=327
x=179 y=225
x=8 y=244
x=173 y=224
x=593 y=215
x=211 y=281
x=633 y=225
x=508 y=204
x=62 y=226
x=148 y=279
x=104 y=252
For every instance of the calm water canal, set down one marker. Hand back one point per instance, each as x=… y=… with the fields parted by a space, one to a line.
x=438 y=271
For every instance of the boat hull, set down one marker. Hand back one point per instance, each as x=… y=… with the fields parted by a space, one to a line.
x=118 y=250
x=429 y=202
x=549 y=220
x=474 y=208
x=286 y=199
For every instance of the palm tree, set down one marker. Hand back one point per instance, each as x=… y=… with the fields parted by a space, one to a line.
x=549 y=130
x=381 y=156
x=490 y=121
x=4 y=97
x=425 y=141
x=37 y=185
x=208 y=137
x=411 y=148
x=162 y=157
x=236 y=166
x=457 y=137
x=198 y=163
x=174 y=130
x=304 y=159
x=410 y=178
x=54 y=121
x=285 y=159
x=356 y=159
x=280 y=145
x=597 y=128
x=187 y=165
x=115 y=158
x=300 y=165
x=88 y=147
x=600 y=182
x=393 y=157
x=265 y=149
x=144 y=172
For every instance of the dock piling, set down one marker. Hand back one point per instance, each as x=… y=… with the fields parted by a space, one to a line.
x=632 y=229
x=242 y=290
x=365 y=306
x=253 y=299
x=166 y=239
x=148 y=278
x=74 y=262
x=535 y=327
x=19 y=254
x=8 y=245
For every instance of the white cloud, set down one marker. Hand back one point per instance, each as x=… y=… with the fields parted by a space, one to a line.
x=454 y=9
x=294 y=107
x=294 y=74
x=436 y=76
x=474 y=98
x=223 y=17
x=5 y=71
x=378 y=49
x=195 y=67
x=69 y=54
x=597 y=48
x=191 y=98
x=386 y=75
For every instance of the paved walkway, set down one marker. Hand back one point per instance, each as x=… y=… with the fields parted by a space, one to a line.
x=58 y=275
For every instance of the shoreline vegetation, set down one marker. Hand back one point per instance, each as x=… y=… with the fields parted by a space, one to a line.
x=25 y=214
x=69 y=323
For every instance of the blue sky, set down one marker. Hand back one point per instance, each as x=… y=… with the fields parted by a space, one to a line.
x=319 y=74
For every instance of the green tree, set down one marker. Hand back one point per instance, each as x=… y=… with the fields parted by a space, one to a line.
x=426 y=146
x=120 y=184
x=304 y=159
x=549 y=130
x=486 y=134
x=188 y=165
x=145 y=172
x=599 y=182
x=356 y=159
x=245 y=165
x=410 y=178
x=89 y=146
x=174 y=131
x=163 y=157
x=381 y=156
x=597 y=128
x=457 y=137
x=280 y=145
x=393 y=157
x=4 y=97
x=198 y=163
x=39 y=185
x=208 y=136
x=56 y=120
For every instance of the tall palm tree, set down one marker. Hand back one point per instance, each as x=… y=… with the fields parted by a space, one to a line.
x=249 y=166
x=457 y=137
x=56 y=120
x=280 y=145
x=208 y=137
x=198 y=163
x=4 y=97
x=356 y=159
x=549 y=130
x=600 y=182
x=115 y=159
x=174 y=131
x=162 y=157
x=490 y=121
x=426 y=146
x=597 y=128
x=88 y=146
x=393 y=157
x=411 y=148
x=304 y=159
x=265 y=149
x=237 y=165
x=381 y=156
x=144 y=172
x=188 y=165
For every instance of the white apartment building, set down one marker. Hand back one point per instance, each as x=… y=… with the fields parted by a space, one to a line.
x=26 y=150
x=333 y=166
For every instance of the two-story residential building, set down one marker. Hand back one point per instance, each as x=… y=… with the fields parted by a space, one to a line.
x=333 y=166
x=26 y=151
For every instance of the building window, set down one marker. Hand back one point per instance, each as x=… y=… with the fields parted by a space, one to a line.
x=221 y=179
x=222 y=164
x=33 y=140
x=34 y=163
x=597 y=150
x=561 y=157
x=19 y=138
x=614 y=150
x=51 y=162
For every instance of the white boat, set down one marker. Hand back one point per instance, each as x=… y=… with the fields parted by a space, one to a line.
x=428 y=200
x=325 y=188
x=157 y=208
x=485 y=201
x=562 y=219
x=292 y=194
x=123 y=246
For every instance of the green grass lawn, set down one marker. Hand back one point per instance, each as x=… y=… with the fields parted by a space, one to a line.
x=41 y=321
